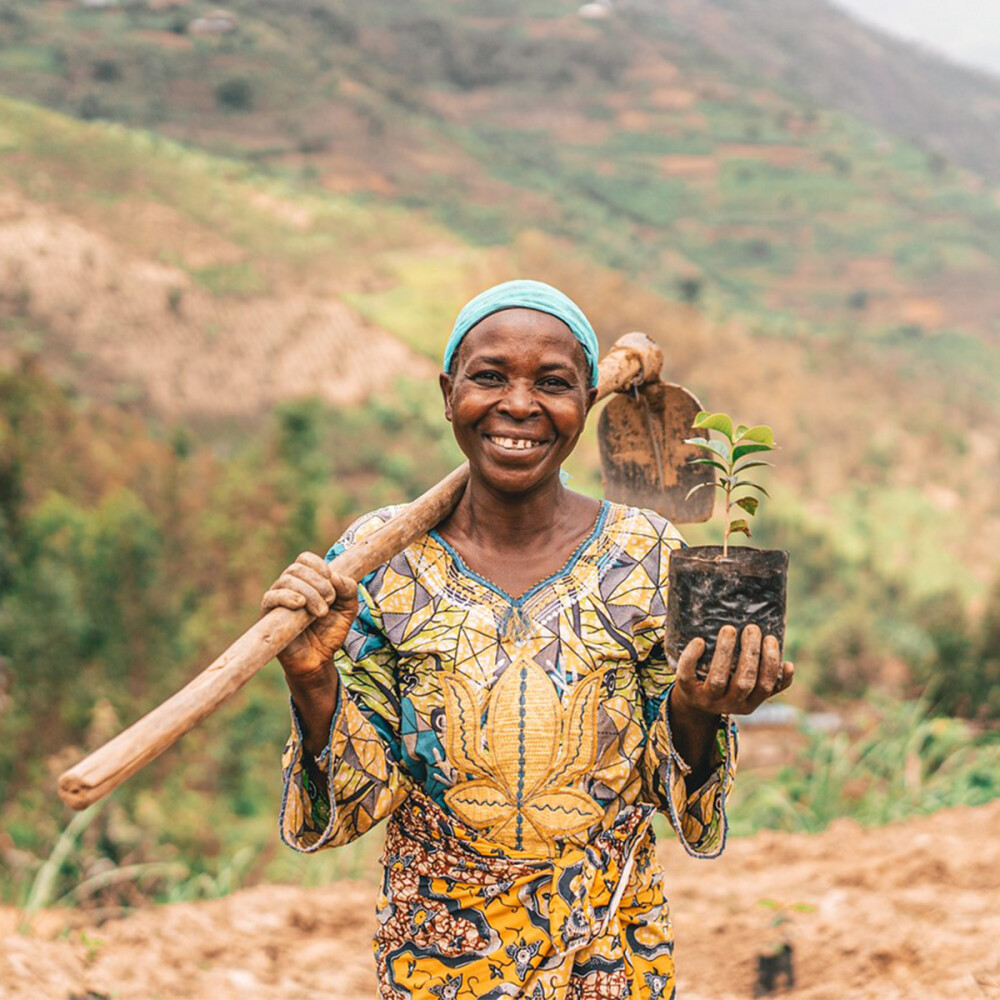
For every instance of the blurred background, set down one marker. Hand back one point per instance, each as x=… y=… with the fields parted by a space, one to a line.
x=232 y=243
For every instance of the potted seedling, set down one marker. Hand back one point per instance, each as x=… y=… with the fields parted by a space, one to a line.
x=776 y=962
x=715 y=585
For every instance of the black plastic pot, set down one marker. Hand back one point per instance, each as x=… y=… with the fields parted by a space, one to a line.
x=707 y=592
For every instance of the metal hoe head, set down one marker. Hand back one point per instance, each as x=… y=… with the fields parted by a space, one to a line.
x=644 y=459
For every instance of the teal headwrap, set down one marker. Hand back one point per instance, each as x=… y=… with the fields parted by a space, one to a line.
x=523 y=294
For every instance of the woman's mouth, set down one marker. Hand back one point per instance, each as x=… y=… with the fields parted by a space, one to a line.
x=513 y=444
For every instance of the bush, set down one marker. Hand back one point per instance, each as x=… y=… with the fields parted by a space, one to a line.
x=335 y=24
x=690 y=289
x=235 y=94
x=905 y=762
x=106 y=71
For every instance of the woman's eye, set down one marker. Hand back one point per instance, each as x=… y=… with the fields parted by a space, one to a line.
x=553 y=382
x=487 y=377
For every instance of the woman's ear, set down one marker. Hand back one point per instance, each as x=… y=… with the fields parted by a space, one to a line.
x=591 y=397
x=444 y=380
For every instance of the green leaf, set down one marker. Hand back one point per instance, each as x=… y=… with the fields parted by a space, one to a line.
x=760 y=433
x=748 y=449
x=719 y=447
x=740 y=431
x=749 y=504
x=709 y=461
x=698 y=442
x=720 y=422
x=751 y=465
x=740 y=526
x=755 y=486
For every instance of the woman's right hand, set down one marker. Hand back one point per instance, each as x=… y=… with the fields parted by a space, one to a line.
x=331 y=598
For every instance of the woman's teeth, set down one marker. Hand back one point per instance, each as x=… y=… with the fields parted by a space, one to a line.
x=519 y=444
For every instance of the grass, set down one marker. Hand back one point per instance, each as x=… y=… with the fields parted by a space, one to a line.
x=849 y=183
x=905 y=536
x=242 y=280
x=426 y=292
x=904 y=762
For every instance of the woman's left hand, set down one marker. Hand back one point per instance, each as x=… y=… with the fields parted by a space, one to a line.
x=759 y=674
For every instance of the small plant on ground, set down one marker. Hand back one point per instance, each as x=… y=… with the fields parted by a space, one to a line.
x=731 y=457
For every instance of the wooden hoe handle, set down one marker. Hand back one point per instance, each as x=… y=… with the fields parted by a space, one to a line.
x=634 y=359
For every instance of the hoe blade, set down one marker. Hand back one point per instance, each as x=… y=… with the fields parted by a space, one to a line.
x=644 y=459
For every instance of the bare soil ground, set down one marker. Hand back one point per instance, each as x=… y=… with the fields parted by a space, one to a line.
x=128 y=325
x=906 y=911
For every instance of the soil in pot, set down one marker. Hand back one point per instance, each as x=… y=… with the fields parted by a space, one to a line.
x=707 y=592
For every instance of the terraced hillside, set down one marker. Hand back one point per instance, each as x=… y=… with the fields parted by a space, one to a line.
x=708 y=149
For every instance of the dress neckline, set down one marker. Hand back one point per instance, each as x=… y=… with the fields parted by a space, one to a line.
x=564 y=570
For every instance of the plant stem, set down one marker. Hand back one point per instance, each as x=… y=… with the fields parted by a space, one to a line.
x=725 y=528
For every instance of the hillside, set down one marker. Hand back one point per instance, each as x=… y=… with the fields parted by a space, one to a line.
x=812 y=48
x=161 y=279
x=680 y=142
x=147 y=274
x=907 y=910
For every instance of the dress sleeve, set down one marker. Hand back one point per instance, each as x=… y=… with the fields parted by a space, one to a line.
x=698 y=815
x=358 y=779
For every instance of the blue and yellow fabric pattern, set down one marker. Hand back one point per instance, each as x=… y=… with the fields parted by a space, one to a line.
x=518 y=748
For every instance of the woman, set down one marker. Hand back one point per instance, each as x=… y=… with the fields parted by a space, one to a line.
x=503 y=697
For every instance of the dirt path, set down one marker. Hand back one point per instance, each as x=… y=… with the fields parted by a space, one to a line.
x=908 y=911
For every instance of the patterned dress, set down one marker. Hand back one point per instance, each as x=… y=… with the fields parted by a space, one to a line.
x=519 y=748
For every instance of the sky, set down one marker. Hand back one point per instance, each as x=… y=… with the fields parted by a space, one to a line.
x=966 y=30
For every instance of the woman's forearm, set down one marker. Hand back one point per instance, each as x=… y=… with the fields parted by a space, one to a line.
x=693 y=732
x=315 y=697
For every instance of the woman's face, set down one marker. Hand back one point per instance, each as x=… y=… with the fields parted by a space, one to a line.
x=518 y=398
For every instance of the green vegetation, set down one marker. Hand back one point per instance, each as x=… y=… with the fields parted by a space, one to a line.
x=905 y=762
x=127 y=560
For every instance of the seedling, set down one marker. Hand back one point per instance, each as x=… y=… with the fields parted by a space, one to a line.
x=777 y=961
x=730 y=457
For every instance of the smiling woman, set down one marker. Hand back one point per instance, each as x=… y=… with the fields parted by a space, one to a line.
x=499 y=691
x=517 y=395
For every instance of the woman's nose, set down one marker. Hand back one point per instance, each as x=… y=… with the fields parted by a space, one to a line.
x=519 y=400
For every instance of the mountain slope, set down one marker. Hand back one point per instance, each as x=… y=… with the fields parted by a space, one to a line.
x=816 y=49
x=836 y=283
x=703 y=173
x=145 y=273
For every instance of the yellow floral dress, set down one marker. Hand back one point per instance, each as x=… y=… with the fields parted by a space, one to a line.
x=519 y=748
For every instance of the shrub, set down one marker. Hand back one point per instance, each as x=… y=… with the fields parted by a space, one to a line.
x=106 y=71
x=235 y=94
x=690 y=289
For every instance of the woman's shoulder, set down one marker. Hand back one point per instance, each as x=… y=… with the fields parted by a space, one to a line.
x=362 y=527
x=638 y=528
